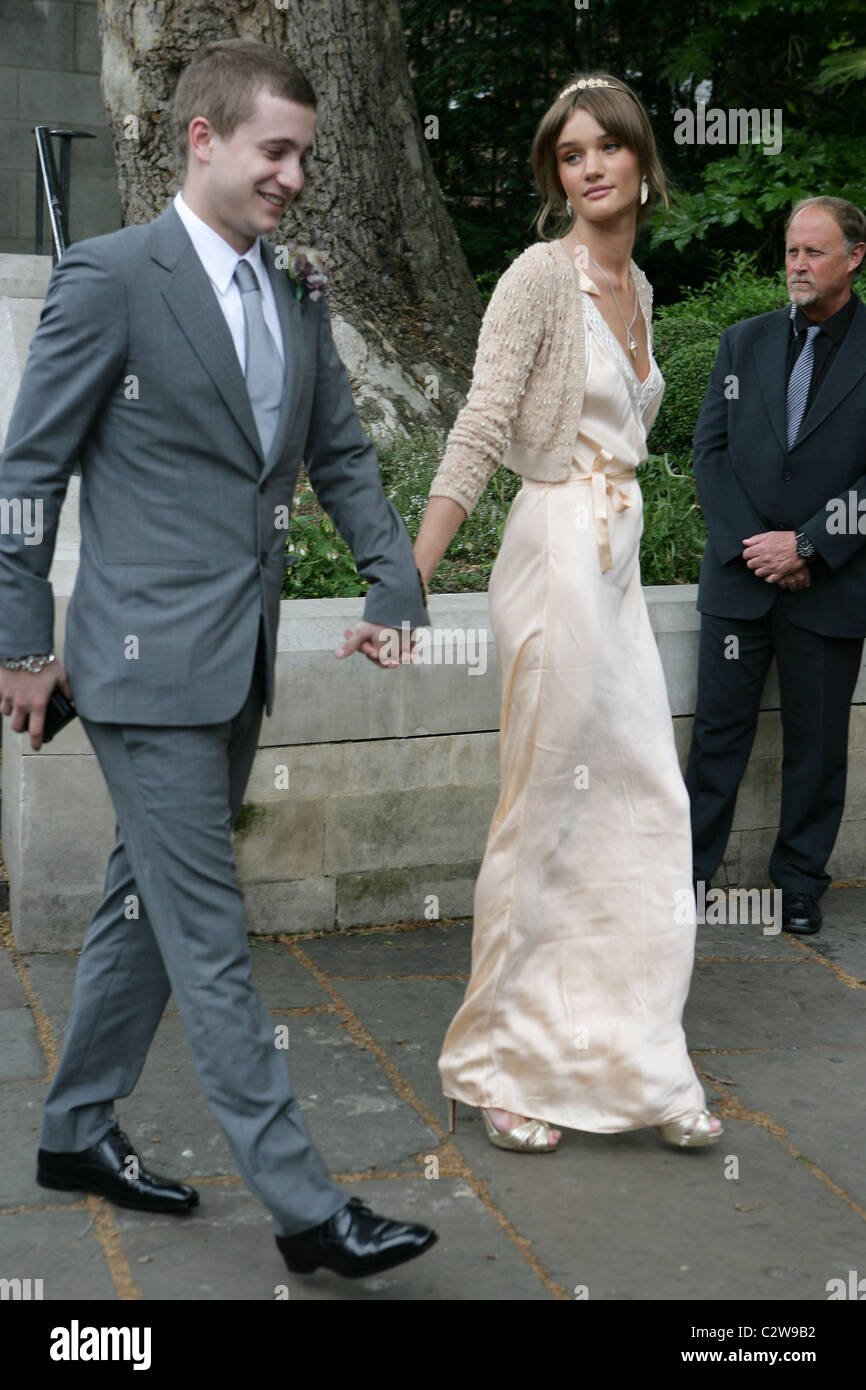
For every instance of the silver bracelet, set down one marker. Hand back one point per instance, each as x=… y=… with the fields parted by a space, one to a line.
x=34 y=664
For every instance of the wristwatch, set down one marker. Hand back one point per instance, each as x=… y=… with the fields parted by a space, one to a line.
x=34 y=664
x=805 y=548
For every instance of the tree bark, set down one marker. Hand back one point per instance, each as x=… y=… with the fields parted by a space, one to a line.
x=404 y=304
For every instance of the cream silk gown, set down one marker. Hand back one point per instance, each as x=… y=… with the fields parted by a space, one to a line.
x=584 y=924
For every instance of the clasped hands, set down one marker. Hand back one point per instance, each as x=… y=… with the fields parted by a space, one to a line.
x=383 y=645
x=772 y=556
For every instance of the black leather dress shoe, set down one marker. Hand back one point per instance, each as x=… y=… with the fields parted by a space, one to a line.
x=104 y=1168
x=354 y=1242
x=800 y=914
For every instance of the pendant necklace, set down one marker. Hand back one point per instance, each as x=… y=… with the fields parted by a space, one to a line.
x=632 y=345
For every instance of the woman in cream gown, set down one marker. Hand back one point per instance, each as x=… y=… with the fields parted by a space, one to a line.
x=580 y=969
x=584 y=921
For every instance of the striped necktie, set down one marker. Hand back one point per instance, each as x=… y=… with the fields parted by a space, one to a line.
x=799 y=383
x=265 y=374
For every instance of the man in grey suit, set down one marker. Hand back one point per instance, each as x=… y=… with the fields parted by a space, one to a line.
x=176 y=362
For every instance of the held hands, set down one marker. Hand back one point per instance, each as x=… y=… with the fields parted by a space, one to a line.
x=25 y=695
x=773 y=557
x=384 y=646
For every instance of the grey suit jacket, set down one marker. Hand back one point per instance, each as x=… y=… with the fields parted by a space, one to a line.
x=133 y=371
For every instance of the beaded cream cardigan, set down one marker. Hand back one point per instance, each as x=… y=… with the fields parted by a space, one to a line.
x=525 y=399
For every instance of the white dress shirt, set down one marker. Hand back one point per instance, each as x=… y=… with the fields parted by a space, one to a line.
x=219 y=260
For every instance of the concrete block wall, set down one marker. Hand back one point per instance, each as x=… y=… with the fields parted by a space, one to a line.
x=49 y=72
x=372 y=791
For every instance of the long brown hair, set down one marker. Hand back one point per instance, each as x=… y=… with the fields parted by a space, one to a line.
x=619 y=111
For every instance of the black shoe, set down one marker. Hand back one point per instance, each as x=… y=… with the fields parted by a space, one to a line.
x=354 y=1242
x=103 y=1169
x=800 y=914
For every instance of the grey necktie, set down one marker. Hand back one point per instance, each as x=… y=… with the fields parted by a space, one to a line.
x=799 y=383
x=265 y=374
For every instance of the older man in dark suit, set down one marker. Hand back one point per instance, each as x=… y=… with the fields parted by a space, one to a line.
x=779 y=463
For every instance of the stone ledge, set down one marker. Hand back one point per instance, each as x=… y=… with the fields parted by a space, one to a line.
x=24 y=277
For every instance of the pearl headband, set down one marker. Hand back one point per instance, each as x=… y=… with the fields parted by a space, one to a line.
x=588 y=82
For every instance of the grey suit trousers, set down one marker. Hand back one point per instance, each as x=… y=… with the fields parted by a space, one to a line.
x=176 y=793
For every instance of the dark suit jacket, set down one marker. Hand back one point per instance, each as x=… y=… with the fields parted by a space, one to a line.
x=133 y=371
x=748 y=482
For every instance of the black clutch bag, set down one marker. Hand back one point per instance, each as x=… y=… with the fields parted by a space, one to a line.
x=58 y=713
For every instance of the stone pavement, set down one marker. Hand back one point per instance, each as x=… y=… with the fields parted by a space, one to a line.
x=776 y=1028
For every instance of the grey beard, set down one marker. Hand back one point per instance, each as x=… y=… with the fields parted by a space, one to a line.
x=803 y=297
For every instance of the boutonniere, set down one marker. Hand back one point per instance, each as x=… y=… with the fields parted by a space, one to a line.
x=306 y=273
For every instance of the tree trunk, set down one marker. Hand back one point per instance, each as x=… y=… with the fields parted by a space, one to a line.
x=404 y=304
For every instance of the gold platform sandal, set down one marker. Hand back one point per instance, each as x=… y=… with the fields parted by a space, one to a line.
x=692 y=1132
x=529 y=1138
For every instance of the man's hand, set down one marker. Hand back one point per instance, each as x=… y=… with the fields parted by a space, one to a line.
x=25 y=695
x=384 y=646
x=772 y=555
x=797 y=579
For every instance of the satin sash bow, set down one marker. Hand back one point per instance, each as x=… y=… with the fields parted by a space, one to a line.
x=604 y=486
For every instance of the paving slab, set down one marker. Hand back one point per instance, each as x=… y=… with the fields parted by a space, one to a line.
x=435 y=949
x=619 y=1217
x=227 y=1251
x=743 y=942
x=224 y=1249
x=167 y=1117
x=21 y=1128
x=409 y=1019
x=352 y=1111
x=817 y=1095
x=53 y=979
x=842 y=937
x=281 y=980
x=626 y=1217
x=59 y=1248
x=12 y=996
x=20 y=1054
x=771 y=1004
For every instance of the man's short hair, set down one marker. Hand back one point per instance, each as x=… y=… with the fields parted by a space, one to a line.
x=222 y=82
x=851 y=222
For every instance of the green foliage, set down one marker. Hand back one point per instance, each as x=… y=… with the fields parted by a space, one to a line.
x=322 y=564
x=677 y=331
x=686 y=373
x=674 y=531
x=685 y=341
x=489 y=71
x=758 y=189
x=325 y=567
x=842 y=66
x=735 y=292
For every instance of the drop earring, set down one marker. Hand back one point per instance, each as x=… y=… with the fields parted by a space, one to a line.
x=644 y=190
x=568 y=208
